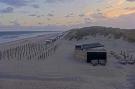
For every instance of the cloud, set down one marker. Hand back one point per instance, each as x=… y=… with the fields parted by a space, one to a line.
x=88 y=20
x=81 y=15
x=130 y=8
x=119 y=12
x=15 y=23
x=98 y=16
x=89 y=13
x=35 y=15
x=117 y=9
x=50 y=15
x=48 y=19
x=38 y=16
x=32 y=15
x=56 y=1
x=131 y=0
x=126 y=21
x=40 y=23
x=35 y=6
x=69 y=15
x=17 y=3
x=7 y=10
x=52 y=1
x=86 y=15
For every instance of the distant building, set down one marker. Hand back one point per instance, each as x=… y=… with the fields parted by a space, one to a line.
x=93 y=53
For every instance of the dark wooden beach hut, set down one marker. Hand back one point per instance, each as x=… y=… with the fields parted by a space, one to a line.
x=93 y=53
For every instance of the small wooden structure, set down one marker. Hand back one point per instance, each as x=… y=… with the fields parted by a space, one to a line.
x=92 y=53
x=97 y=56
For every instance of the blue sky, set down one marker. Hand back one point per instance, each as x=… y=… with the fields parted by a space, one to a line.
x=67 y=13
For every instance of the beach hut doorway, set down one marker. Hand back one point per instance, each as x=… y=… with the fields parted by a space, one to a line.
x=97 y=58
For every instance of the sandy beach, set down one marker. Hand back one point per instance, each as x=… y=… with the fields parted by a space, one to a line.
x=62 y=70
x=67 y=44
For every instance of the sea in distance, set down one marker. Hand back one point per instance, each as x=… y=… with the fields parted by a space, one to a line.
x=7 y=36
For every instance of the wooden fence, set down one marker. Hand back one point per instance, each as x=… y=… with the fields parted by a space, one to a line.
x=29 y=50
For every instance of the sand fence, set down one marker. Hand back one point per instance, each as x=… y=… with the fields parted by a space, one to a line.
x=29 y=49
x=124 y=57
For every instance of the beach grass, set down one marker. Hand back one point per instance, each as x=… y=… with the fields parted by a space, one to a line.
x=117 y=33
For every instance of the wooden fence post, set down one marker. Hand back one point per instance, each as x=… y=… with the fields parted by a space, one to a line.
x=0 y=55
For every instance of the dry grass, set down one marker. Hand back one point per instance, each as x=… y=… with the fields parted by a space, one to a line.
x=117 y=33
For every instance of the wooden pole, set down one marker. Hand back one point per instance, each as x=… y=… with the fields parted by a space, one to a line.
x=0 y=55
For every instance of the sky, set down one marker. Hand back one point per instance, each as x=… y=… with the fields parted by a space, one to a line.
x=67 y=13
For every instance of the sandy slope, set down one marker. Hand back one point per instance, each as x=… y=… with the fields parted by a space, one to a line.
x=63 y=71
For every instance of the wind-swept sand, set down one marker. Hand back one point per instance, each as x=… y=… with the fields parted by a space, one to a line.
x=63 y=71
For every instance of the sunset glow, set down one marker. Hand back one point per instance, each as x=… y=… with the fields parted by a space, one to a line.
x=67 y=12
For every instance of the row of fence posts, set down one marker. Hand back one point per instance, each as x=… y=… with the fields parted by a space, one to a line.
x=124 y=57
x=29 y=51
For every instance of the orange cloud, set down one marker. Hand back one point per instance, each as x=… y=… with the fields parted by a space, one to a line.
x=116 y=12
x=118 y=9
x=88 y=13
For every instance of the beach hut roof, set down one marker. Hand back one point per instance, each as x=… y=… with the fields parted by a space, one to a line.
x=97 y=50
x=90 y=45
